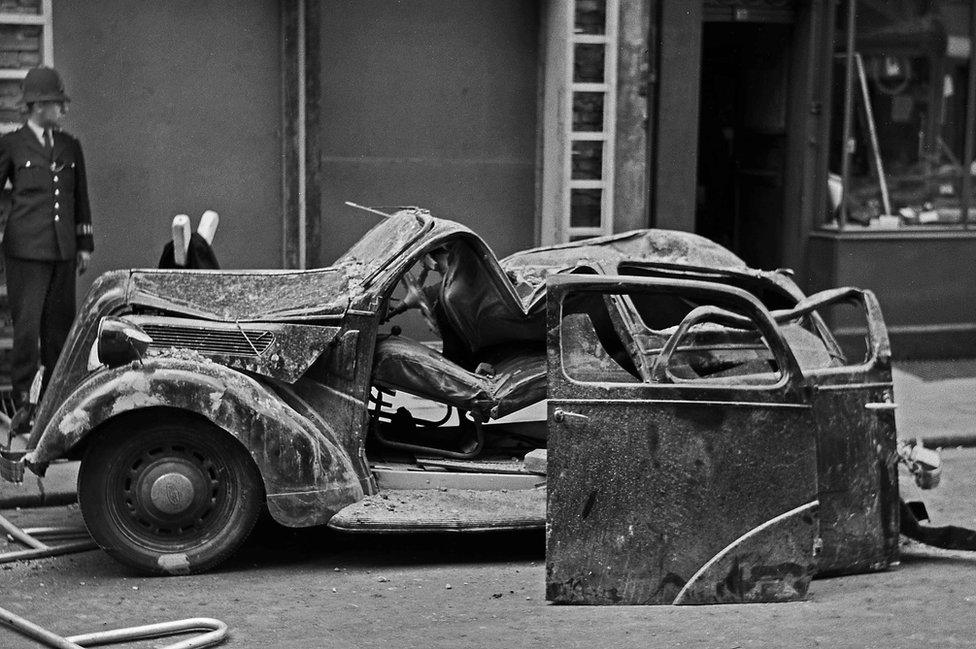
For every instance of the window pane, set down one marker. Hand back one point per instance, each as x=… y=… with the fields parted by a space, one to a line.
x=907 y=125
x=587 y=111
x=20 y=6
x=590 y=346
x=699 y=339
x=587 y=163
x=584 y=208
x=591 y=17
x=20 y=46
x=588 y=62
x=10 y=95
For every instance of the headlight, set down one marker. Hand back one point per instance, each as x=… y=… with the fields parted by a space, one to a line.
x=120 y=342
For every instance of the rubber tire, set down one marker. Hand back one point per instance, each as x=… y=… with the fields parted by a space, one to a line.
x=121 y=521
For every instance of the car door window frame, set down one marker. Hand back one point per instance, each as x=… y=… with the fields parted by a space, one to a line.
x=790 y=375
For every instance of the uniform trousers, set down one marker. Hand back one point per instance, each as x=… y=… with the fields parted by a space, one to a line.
x=42 y=305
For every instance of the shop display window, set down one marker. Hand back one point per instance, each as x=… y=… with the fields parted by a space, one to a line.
x=898 y=140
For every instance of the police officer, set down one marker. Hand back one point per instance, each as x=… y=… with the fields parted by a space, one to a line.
x=48 y=236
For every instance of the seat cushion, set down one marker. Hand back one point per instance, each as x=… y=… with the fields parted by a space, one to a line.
x=400 y=363
x=513 y=381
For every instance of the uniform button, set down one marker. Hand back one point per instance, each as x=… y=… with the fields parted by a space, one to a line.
x=57 y=206
x=55 y=179
x=57 y=192
x=57 y=218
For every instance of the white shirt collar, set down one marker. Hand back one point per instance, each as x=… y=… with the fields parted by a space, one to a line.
x=39 y=132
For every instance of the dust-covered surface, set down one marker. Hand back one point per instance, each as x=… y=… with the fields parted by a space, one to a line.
x=449 y=509
x=311 y=588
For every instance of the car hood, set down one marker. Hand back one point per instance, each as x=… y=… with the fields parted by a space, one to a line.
x=243 y=296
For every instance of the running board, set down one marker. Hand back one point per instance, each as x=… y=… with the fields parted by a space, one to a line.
x=408 y=477
x=457 y=510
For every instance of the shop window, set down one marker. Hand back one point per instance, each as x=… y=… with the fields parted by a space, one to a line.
x=25 y=42
x=898 y=123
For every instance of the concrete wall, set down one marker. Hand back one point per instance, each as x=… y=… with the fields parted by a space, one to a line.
x=430 y=103
x=177 y=105
x=922 y=282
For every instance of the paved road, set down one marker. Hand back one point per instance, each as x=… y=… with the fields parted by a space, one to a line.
x=315 y=589
x=311 y=588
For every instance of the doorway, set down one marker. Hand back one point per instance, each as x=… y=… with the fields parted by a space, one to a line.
x=742 y=142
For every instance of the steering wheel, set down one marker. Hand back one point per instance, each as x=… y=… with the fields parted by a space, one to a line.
x=415 y=298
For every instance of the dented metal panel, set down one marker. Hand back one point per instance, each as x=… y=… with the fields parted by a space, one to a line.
x=857 y=453
x=279 y=350
x=244 y=296
x=308 y=476
x=651 y=503
x=662 y=494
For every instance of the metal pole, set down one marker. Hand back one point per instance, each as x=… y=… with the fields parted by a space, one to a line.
x=216 y=632
x=845 y=172
x=875 y=147
x=967 y=156
x=31 y=630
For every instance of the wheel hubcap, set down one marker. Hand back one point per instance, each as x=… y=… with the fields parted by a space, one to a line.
x=171 y=493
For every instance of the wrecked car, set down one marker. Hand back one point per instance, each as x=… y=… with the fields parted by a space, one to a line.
x=412 y=384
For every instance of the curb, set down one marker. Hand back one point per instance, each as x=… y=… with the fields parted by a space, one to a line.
x=31 y=500
x=948 y=441
x=58 y=487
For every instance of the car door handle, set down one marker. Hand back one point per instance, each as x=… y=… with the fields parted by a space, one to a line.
x=883 y=405
x=559 y=415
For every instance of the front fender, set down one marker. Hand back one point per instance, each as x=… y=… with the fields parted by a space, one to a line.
x=307 y=475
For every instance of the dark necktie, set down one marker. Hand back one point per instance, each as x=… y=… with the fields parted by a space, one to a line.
x=48 y=143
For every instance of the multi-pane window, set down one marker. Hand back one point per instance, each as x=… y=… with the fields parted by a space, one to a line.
x=25 y=42
x=588 y=170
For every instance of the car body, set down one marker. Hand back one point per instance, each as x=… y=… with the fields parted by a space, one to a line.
x=294 y=390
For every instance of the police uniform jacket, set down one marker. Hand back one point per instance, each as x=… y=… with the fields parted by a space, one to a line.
x=50 y=218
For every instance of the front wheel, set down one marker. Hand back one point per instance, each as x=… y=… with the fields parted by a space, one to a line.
x=176 y=496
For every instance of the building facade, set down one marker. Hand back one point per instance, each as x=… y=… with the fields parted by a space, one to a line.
x=757 y=123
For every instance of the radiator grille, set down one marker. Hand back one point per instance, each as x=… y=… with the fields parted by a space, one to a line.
x=210 y=341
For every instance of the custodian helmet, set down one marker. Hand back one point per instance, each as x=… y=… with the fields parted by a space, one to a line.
x=43 y=84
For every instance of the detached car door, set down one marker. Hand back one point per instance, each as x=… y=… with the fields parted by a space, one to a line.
x=681 y=465
x=854 y=411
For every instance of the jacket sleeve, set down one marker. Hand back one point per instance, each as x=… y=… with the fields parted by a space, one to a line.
x=83 y=224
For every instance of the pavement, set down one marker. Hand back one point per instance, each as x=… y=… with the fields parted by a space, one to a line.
x=936 y=403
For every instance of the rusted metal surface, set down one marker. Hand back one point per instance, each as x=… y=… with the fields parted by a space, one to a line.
x=694 y=493
x=245 y=296
x=642 y=498
x=308 y=476
x=278 y=350
x=857 y=454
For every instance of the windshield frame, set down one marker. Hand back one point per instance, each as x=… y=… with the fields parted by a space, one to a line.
x=384 y=243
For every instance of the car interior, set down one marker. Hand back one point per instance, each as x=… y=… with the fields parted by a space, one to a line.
x=475 y=350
